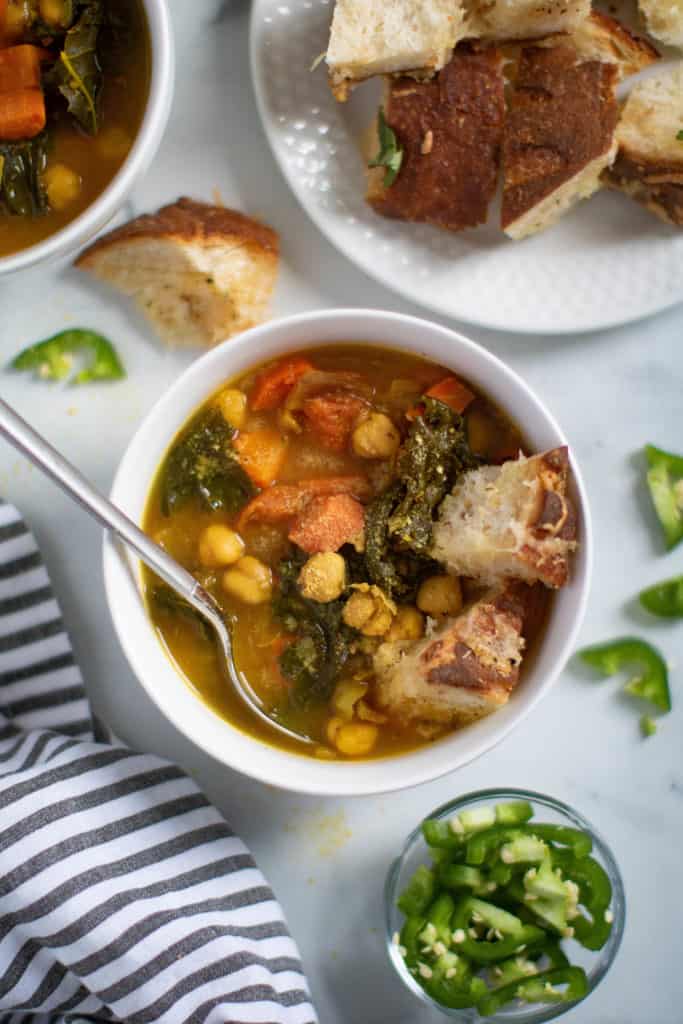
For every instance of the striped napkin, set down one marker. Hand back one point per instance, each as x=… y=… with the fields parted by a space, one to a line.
x=124 y=895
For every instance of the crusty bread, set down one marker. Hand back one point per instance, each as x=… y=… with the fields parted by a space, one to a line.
x=199 y=273
x=559 y=136
x=450 y=130
x=663 y=20
x=601 y=37
x=375 y=37
x=649 y=164
x=509 y=521
x=503 y=20
x=465 y=670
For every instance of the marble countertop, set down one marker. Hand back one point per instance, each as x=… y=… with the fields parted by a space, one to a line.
x=327 y=859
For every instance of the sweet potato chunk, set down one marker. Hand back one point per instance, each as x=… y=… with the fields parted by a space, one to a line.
x=327 y=523
x=284 y=501
x=331 y=417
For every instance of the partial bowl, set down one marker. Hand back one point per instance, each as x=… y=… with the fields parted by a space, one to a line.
x=94 y=217
x=546 y=808
x=168 y=688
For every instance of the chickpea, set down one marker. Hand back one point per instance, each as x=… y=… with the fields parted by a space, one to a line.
x=233 y=405
x=409 y=624
x=333 y=726
x=356 y=739
x=63 y=186
x=219 y=545
x=323 y=577
x=369 y=610
x=439 y=596
x=249 y=580
x=376 y=437
x=52 y=12
x=346 y=696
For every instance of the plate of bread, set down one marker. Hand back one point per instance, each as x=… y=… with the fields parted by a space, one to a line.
x=510 y=163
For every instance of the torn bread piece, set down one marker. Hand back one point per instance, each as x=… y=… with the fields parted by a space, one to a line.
x=663 y=20
x=450 y=133
x=509 y=521
x=559 y=136
x=649 y=164
x=464 y=671
x=603 y=38
x=503 y=20
x=199 y=273
x=376 y=37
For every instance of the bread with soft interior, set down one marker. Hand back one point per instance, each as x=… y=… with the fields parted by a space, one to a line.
x=663 y=20
x=603 y=38
x=649 y=163
x=503 y=20
x=464 y=670
x=559 y=136
x=377 y=37
x=199 y=273
x=513 y=521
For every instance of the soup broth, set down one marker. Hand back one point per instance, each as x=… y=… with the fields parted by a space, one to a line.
x=302 y=447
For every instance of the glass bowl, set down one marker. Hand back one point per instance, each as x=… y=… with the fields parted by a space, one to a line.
x=595 y=964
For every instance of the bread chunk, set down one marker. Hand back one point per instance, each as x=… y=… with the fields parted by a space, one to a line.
x=663 y=20
x=603 y=38
x=526 y=19
x=559 y=136
x=465 y=670
x=199 y=273
x=450 y=130
x=649 y=164
x=509 y=521
x=376 y=37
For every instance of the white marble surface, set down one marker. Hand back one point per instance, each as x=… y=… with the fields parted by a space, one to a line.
x=327 y=858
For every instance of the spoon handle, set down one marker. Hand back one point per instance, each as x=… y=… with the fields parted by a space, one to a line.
x=30 y=443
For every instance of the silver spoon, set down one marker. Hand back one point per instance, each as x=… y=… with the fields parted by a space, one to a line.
x=18 y=432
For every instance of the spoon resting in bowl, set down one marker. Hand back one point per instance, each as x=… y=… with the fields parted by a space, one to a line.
x=26 y=440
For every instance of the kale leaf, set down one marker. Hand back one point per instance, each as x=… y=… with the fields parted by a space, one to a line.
x=78 y=74
x=203 y=464
x=22 y=192
x=313 y=662
x=399 y=523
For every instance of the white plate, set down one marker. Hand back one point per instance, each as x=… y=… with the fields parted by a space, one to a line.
x=608 y=261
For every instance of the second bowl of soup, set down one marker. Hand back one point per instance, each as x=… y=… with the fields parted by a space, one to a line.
x=394 y=529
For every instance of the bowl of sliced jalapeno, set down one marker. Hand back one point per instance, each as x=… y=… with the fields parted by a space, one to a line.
x=504 y=905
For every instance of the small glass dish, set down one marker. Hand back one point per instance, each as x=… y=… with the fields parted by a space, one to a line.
x=595 y=964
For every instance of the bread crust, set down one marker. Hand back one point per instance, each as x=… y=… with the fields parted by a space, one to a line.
x=601 y=37
x=657 y=186
x=562 y=120
x=188 y=221
x=450 y=130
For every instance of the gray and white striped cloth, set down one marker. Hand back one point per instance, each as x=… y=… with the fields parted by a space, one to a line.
x=124 y=895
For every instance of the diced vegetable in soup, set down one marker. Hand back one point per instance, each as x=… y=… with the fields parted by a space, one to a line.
x=318 y=498
x=73 y=88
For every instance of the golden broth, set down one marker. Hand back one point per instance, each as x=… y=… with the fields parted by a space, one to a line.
x=257 y=635
x=126 y=62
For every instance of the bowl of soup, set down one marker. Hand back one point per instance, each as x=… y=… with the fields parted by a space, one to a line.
x=85 y=94
x=393 y=527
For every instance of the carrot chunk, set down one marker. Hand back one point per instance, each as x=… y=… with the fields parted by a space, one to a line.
x=331 y=417
x=19 y=67
x=261 y=453
x=3 y=19
x=284 y=501
x=22 y=114
x=273 y=386
x=327 y=523
x=451 y=392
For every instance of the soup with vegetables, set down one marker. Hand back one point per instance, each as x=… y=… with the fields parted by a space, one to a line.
x=317 y=498
x=74 y=78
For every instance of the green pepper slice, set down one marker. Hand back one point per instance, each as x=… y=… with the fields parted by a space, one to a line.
x=652 y=681
x=541 y=988
x=409 y=939
x=665 y=480
x=595 y=891
x=53 y=359
x=664 y=599
x=515 y=934
x=439 y=835
x=484 y=844
x=419 y=892
x=648 y=726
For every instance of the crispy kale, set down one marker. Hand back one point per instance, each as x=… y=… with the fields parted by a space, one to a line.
x=399 y=523
x=313 y=662
x=203 y=464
